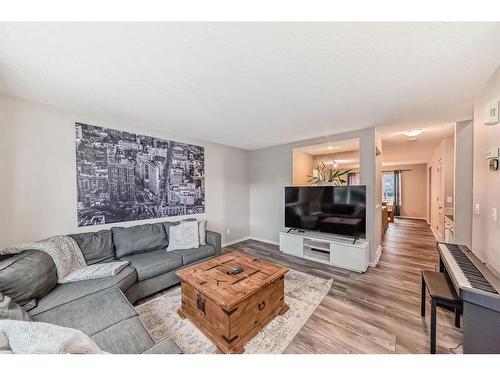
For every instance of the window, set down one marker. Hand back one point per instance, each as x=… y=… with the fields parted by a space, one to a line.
x=388 y=187
x=353 y=178
x=391 y=187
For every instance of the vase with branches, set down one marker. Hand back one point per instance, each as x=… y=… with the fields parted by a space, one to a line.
x=328 y=175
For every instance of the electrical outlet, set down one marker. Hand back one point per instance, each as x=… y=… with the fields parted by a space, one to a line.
x=476 y=209
x=228 y=230
x=449 y=199
x=494 y=216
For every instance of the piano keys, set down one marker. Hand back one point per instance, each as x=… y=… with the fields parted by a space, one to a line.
x=479 y=289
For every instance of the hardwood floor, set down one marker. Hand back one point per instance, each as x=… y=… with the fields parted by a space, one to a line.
x=374 y=312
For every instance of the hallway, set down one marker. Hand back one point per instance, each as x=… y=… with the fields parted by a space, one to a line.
x=374 y=312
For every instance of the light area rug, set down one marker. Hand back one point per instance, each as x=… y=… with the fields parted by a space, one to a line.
x=303 y=293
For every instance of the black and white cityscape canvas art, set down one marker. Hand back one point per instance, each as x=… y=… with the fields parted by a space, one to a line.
x=124 y=176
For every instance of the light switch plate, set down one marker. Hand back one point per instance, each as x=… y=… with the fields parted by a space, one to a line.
x=449 y=199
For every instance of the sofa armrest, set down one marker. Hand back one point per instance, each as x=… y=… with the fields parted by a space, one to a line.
x=214 y=239
x=166 y=346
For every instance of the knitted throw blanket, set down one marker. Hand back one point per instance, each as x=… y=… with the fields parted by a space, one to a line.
x=68 y=258
x=21 y=337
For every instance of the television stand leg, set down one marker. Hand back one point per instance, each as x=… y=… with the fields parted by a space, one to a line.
x=289 y=230
x=354 y=241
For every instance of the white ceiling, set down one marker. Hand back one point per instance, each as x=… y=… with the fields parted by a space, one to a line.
x=398 y=149
x=252 y=85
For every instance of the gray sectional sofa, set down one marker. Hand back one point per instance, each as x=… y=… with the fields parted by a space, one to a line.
x=102 y=308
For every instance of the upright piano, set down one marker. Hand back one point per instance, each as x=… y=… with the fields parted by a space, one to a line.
x=479 y=289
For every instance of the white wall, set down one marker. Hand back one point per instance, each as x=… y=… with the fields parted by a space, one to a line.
x=271 y=170
x=38 y=180
x=486 y=184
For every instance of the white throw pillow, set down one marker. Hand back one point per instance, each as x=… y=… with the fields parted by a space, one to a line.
x=183 y=236
x=202 y=228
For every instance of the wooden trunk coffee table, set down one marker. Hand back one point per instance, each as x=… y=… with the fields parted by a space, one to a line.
x=228 y=308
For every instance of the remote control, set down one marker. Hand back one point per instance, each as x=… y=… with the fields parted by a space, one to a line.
x=235 y=271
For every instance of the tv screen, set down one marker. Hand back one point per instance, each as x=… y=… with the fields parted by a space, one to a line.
x=331 y=209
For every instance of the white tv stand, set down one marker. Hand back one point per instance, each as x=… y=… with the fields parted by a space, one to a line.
x=336 y=250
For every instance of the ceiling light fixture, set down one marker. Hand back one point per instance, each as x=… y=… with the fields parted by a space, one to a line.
x=330 y=147
x=413 y=132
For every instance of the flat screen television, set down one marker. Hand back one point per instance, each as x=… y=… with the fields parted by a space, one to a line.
x=331 y=209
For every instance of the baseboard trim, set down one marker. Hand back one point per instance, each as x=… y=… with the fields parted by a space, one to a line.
x=412 y=217
x=264 y=240
x=250 y=238
x=377 y=258
x=235 y=241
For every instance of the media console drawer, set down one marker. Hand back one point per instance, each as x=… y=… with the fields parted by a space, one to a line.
x=291 y=244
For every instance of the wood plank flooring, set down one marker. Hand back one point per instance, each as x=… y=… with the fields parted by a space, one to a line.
x=374 y=312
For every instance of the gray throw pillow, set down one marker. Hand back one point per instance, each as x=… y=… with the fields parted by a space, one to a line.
x=139 y=238
x=27 y=276
x=202 y=229
x=96 y=247
x=11 y=310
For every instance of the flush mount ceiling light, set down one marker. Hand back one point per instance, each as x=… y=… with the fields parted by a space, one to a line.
x=413 y=132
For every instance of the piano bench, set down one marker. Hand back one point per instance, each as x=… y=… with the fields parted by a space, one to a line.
x=443 y=295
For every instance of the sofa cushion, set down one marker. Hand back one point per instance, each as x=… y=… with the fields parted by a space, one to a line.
x=11 y=310
x=194 y=255
x=96 y=246
x=155 y=284
x=91 y=313
x=65 y=293
x=28 y=275
x=139 y=238
x=153 y=263
x=125 y=337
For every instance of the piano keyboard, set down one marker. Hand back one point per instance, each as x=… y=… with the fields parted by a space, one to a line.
x=479 y=289
x=471 y=273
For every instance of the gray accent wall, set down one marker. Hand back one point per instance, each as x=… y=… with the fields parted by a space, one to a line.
x=38 y=192
x=271 y=170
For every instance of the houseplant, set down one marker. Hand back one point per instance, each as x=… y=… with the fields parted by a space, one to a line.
x=329 y=176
